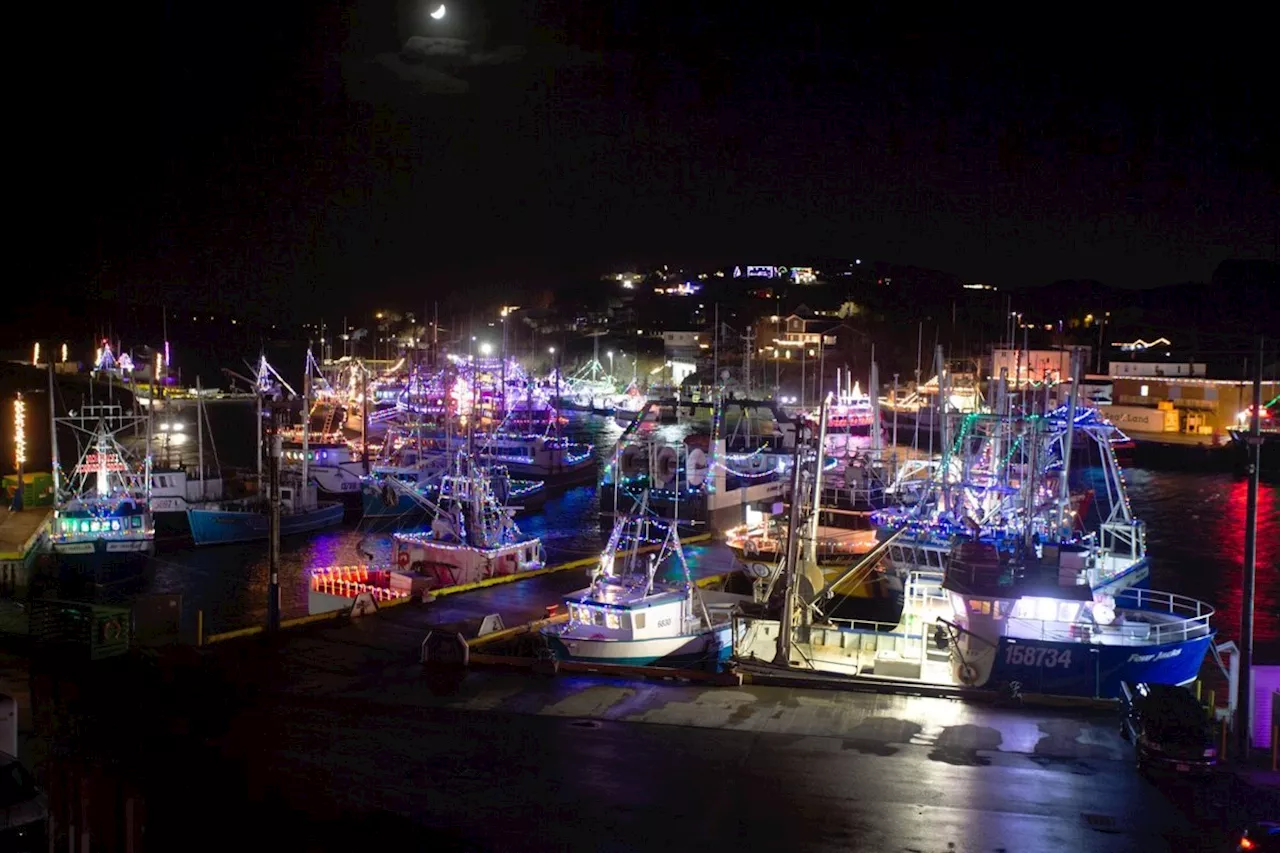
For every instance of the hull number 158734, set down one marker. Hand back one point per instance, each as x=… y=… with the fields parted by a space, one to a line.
x=1016 y=655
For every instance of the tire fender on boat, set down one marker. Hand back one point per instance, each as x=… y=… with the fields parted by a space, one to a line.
x=968 y=675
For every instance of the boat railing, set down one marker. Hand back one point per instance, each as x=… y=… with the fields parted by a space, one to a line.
x=924 y=586
x=1179 y=619
x=1123 y=537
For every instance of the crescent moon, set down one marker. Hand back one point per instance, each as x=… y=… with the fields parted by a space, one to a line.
x=438 y=13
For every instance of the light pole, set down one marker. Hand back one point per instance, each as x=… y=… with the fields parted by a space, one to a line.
x=610 y=354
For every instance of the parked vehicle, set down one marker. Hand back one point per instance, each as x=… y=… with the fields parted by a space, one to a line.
x=1168 y=727
x=24 y=810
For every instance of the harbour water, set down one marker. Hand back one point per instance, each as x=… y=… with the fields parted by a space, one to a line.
x=1195 y=529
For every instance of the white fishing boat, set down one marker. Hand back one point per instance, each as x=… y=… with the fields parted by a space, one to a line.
x=631 y=616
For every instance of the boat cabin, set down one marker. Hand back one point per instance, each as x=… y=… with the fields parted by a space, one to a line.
x=617 y=612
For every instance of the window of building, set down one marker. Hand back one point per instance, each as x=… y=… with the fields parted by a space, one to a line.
x=1144 y=390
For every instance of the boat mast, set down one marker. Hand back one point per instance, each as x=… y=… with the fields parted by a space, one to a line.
x=364 y=416
x=262 y=361
x=783 y=657
x=199 y=436
x=306 y=418
x=877 y=442
x=1064 y=490
x=53 y=439
x=812 y=549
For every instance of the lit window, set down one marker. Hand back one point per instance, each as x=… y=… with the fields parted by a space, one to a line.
x=637 y=620
x=1144 y=390
x=611 y=619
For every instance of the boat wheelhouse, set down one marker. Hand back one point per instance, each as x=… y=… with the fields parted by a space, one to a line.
x=332 y=463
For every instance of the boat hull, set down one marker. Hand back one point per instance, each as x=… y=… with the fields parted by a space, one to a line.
x=102 y=561
x=221 y=527
x=1094 y=669
x=707 y=649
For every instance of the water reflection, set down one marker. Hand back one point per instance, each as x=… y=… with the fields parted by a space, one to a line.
x=1195 y=534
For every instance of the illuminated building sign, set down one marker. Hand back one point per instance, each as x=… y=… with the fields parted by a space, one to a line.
x=93 y=463
x=1139 y=345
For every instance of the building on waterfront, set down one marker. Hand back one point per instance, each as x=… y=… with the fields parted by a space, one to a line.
x=1155 y=390
x=683 y=346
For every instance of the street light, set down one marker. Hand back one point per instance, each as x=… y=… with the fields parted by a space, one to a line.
x=486 y=349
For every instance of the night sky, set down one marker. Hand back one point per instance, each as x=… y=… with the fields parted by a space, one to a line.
x=236 y=155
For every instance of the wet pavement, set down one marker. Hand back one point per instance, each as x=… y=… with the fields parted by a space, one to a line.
x=571 y=778
x=344 y=722
x=334 y=736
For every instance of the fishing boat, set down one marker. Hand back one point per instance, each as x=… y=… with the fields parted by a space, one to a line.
x=176 y=488
x=952 y=390
x=333 y=465
x=628 y=404
x=248 y=519
x=471 y=537
x=629 y=616
x=851 y=418
x=386 y=503
x=1268 y=434
x=590 y=388
x=1007 y=472
x=837 y=537
x=331 y=462
x=703 y=463
x=1022 y=613
x=102 y=531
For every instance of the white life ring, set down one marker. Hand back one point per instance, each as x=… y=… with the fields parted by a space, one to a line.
x=968 y=675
